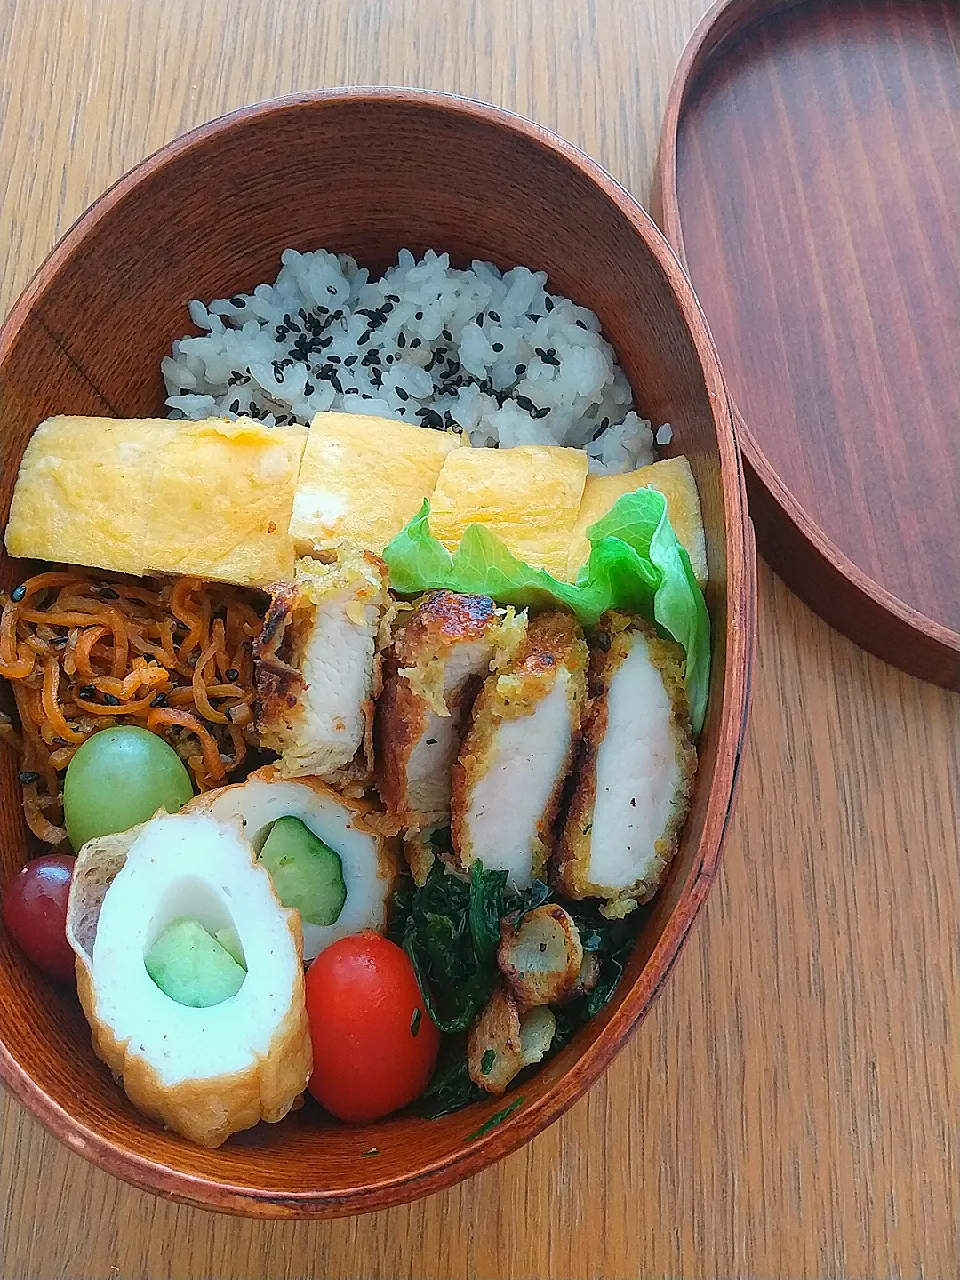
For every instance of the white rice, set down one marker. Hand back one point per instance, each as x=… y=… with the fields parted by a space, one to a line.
x=490 y=353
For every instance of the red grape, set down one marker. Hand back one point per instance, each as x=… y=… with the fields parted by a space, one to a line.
x=35 y=913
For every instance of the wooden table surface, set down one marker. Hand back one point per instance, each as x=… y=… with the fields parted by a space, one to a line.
x=790 y=1106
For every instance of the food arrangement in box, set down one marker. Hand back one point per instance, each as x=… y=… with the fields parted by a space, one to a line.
x=364 y=690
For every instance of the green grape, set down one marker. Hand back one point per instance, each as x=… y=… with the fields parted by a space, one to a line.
x=118 y=778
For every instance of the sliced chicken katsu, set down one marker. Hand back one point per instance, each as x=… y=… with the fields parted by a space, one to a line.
x=433 y=674
x=635 y=771
x=317 y=669
x=517 y=752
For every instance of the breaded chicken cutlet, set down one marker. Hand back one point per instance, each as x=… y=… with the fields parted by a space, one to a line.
x=432 y=675
x=509 y=777
x=317 y=666
x=635 y=769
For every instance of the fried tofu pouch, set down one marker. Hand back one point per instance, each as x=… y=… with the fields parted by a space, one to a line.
x=528 y=496
x=204 y=1072
x=212 y=499
x=673 y=478
x=363 y=478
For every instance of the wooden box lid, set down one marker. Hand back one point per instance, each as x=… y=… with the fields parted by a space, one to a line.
x=809 y=179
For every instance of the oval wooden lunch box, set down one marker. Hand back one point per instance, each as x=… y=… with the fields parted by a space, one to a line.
x=365 y=171
x=809 y=179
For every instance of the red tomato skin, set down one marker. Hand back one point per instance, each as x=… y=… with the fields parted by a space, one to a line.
x=35 y=914
x=362 y=998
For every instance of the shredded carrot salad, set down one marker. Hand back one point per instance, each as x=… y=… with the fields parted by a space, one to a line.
x=84 y=653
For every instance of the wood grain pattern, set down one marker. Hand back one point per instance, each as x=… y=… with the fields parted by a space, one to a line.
x=789 y=1109
x=810 y=179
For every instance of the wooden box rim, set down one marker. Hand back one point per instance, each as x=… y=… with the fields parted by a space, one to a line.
x=788 y=534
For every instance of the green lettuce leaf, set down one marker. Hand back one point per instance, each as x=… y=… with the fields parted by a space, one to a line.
x=635 y=563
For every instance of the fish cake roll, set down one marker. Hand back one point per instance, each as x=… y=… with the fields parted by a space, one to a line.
x=201 y=1055
x=346 y=825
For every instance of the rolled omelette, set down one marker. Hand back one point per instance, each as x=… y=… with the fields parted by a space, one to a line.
x=363 y=478
x=529 y=496
x=211 y=499
x=673 y=478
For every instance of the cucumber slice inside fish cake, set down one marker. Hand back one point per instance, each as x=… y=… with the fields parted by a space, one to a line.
x=192 y=966
x=306 y=873
x=342 y=883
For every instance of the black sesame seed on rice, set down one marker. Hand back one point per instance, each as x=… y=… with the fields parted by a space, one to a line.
x=302 y=333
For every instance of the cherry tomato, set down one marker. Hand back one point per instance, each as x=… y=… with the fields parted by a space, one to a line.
x=35 y=913
x=374 y=1044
